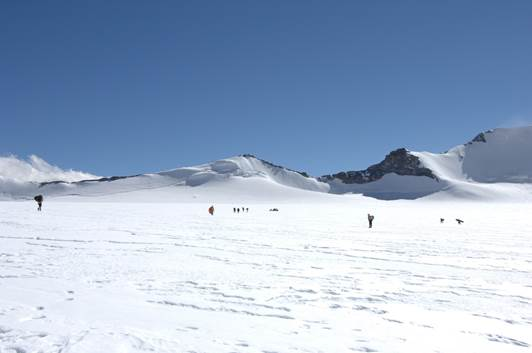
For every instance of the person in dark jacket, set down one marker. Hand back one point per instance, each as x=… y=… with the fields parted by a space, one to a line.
x=39 y=199
x=370 y=220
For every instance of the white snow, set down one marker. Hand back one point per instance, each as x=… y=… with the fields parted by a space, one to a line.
x=20 y=178
x=218 y=177
x=498 y=169
x=138 y=265
x=245 y=167
x=36 y=170
x=86 y=277
x=505 y=157
x=391 y=186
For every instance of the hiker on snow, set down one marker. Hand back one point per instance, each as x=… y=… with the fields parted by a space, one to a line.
x=370 y=220
x=211 y=210
x=39 y=200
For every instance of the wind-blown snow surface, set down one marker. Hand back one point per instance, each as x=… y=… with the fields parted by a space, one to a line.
x=37 y=170
x=147 y=277
x=20 y=177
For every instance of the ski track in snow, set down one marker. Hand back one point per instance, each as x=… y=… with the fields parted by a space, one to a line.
x=125 y=277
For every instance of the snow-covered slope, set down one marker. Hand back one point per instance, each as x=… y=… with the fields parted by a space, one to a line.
x=496 y=156
x=20 y=177
x=495 y=165
x=228 y=179
x=166 y=278
x=246 y=166
x=36 y=169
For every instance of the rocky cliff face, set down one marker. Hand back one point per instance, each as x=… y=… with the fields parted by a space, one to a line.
x=400 y=162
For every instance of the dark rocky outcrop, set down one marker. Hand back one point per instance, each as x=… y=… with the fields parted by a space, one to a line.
x=400 y=162
x=480 y=137
x=105 y=179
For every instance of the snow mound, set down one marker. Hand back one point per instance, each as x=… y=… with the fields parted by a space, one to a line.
x=231 y=176
x=244 y=167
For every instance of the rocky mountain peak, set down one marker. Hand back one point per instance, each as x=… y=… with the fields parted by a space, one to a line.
x=399 y=161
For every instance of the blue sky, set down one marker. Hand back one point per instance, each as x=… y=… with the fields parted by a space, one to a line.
x=122 y=87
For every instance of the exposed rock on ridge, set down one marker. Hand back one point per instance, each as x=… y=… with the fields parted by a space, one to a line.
x=400 y=162
x=480 y=137
x=107 y=179
x=247 y=155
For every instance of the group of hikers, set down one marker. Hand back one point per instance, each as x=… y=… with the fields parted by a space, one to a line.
x=237 y=209
x=39 y=199
x=370 y=216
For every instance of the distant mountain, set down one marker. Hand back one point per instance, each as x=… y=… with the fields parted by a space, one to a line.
x=266 y=178
x=496 y=164
x=495 y=156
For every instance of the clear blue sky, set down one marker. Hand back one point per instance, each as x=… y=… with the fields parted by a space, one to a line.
x=121 y=87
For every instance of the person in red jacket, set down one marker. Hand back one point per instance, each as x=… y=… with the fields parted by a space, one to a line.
x=211 y=210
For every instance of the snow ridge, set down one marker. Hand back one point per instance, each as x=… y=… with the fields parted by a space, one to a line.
x=495 y=165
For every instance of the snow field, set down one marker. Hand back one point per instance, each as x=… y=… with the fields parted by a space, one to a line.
x=140 y=277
